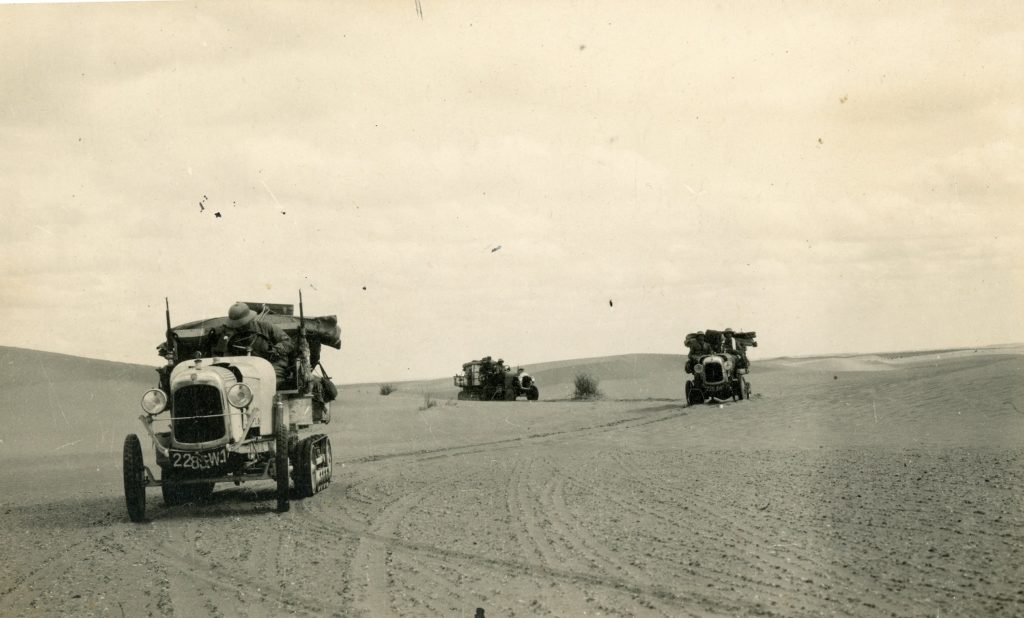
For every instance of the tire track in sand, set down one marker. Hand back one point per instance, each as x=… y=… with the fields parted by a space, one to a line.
x=786 y=568
x=657 y=551
x=389 y=552
x=632 y=422
x=372 y=579
x=578 y=540
x=61 y=559
x=528 y=531
x=215 y=564
x=215 y=584
x=553 y=577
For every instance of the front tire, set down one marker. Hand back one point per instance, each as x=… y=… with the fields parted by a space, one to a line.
x=134 y=478
x=694 y=395
x=533 y=394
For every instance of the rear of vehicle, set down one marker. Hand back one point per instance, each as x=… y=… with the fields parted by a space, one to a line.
x=470 y=381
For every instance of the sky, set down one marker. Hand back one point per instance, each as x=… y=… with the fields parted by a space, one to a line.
x=532 y=180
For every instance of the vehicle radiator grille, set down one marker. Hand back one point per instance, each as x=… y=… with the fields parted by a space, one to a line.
x=197 y=415
x=713 y=372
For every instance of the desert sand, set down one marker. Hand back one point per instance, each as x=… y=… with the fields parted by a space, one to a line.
x=877 y=485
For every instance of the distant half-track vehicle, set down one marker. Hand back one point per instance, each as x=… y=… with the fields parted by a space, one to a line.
x=230 y=419
x=719 y=366
x=494 y=381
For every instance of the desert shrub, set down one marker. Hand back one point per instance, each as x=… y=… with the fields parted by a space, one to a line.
x=386 y=389
x=428 y=402
x=585 y=387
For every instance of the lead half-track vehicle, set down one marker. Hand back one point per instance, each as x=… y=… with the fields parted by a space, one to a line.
x=719 y=366
x=493 y=381
x=228 y=419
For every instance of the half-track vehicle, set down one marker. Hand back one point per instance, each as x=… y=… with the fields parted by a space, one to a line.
x=494 y=381
x=719 y=367
x=229 y=418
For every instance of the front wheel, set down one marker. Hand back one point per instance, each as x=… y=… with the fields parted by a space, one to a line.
x=694 y=395
x=533 y=393
x=134 y=478
x=281 y=459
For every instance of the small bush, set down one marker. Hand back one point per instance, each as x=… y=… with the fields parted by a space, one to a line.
x=586 y=387
x=428 y=402
x=386 y=389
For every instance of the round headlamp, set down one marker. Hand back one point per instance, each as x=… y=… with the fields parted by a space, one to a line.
x=240 y=395
x=154 y=401
x=698 y=368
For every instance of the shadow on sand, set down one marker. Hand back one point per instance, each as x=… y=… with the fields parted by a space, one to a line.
x=104 y=511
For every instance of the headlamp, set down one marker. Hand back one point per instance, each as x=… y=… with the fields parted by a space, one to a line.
x=154 y=401
x=240 y=395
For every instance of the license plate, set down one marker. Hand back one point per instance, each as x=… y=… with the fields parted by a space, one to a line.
x=198 y=460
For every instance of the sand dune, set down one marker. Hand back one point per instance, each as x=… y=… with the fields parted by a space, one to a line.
x=838 y=489
x=80 y=405
x=871 y=362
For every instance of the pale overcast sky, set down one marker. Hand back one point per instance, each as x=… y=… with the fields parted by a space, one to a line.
x=839 y=178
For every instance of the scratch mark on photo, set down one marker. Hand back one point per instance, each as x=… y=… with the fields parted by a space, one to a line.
x=264 y=183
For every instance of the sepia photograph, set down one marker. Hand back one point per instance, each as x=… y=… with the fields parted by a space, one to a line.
x=491 y=309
